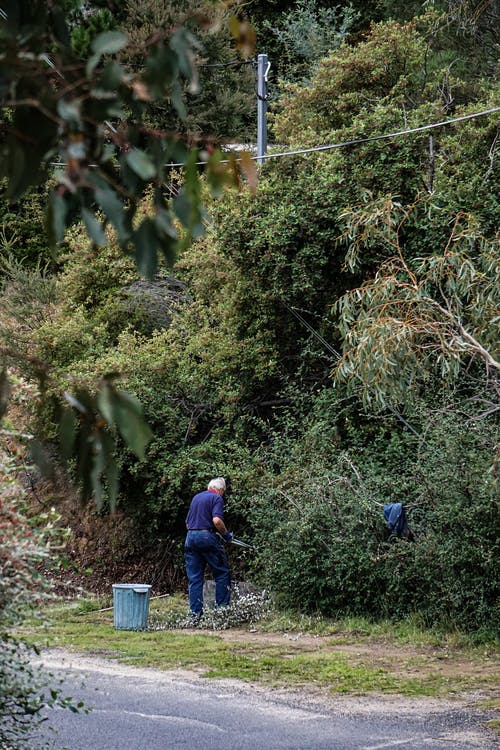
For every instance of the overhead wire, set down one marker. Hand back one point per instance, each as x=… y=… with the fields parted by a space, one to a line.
x=338 y=356
x=343 y=144
x=358 y=141
x=368 y=139
x=328 y=147
x=232 y=64
x=312 y=149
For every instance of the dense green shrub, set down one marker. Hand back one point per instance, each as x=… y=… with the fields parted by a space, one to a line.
x=200 y=381
x=322 y=536
x=28 y=301
x=22 y=227
x=220 y=104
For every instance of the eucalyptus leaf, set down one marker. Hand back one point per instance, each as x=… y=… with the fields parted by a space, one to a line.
x=109 y=42
x=97 y=468
x=84 y=461
x=176 y=97
x=105 y=403
x=16 y=169
x=69 y=112
x=146 y=248
x=75 y=402
x=92 y=63
x=110 y=470
x=112 y=76
x=141 y=164
x=131 y=423
x=164 y=224
x=67 y=433
x=182 y=208
x=114 y=210
x=93 y=227
x=56 y=218
x=124 y=411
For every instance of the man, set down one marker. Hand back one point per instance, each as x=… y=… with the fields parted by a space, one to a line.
x=204 y=522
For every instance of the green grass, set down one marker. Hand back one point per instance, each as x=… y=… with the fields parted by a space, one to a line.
x=79 y=626
x=408 y=631
x=494 y=725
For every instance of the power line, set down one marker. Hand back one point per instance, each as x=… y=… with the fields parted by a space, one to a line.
x=312 y=330
x=358 y=141
x=233 y=64
x=338 y=357
x=343 y=144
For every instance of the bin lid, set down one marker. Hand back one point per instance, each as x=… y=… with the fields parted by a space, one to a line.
x=138 y=588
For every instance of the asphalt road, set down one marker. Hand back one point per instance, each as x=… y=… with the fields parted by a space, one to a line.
x=142 y=709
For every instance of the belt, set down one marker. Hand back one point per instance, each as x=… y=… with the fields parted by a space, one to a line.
x=202 y=530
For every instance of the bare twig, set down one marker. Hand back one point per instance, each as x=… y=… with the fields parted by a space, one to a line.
x=491 y=155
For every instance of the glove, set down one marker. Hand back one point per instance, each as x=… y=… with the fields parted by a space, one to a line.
x=228 y=536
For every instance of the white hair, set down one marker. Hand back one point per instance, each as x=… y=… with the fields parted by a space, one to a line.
x=217 y=484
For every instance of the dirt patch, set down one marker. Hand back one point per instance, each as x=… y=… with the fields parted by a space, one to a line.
x=403 y=661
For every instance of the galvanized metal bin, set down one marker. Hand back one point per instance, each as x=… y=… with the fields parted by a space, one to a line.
x=131 y=605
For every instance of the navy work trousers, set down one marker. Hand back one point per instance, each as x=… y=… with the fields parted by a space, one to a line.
x=204 y=548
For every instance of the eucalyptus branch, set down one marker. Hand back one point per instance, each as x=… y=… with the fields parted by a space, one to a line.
x=475 y=345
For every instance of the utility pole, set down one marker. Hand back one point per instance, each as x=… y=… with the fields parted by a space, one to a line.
x=263 y=66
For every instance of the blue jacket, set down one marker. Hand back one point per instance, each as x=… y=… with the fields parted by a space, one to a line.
x=395 y=515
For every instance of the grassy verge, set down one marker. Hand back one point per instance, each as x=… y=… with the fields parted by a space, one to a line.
x=354 y=656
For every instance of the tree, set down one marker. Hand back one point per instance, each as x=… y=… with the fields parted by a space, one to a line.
x=411 y=220
x=223 y=106
x=305 y=34
x=60 y=108
x=57 y=107
x=434 y=313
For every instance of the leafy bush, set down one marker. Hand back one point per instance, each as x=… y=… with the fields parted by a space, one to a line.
x=28 y=302
x=25 y=689
x=323 y=541
x=22 y=227
x=235 y=378
x=221 y=104
x=305 y=33
x=200 y=374
x=388 y=64
x=92 y=275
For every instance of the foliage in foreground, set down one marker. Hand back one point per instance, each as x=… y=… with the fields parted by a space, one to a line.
x=26 y=690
